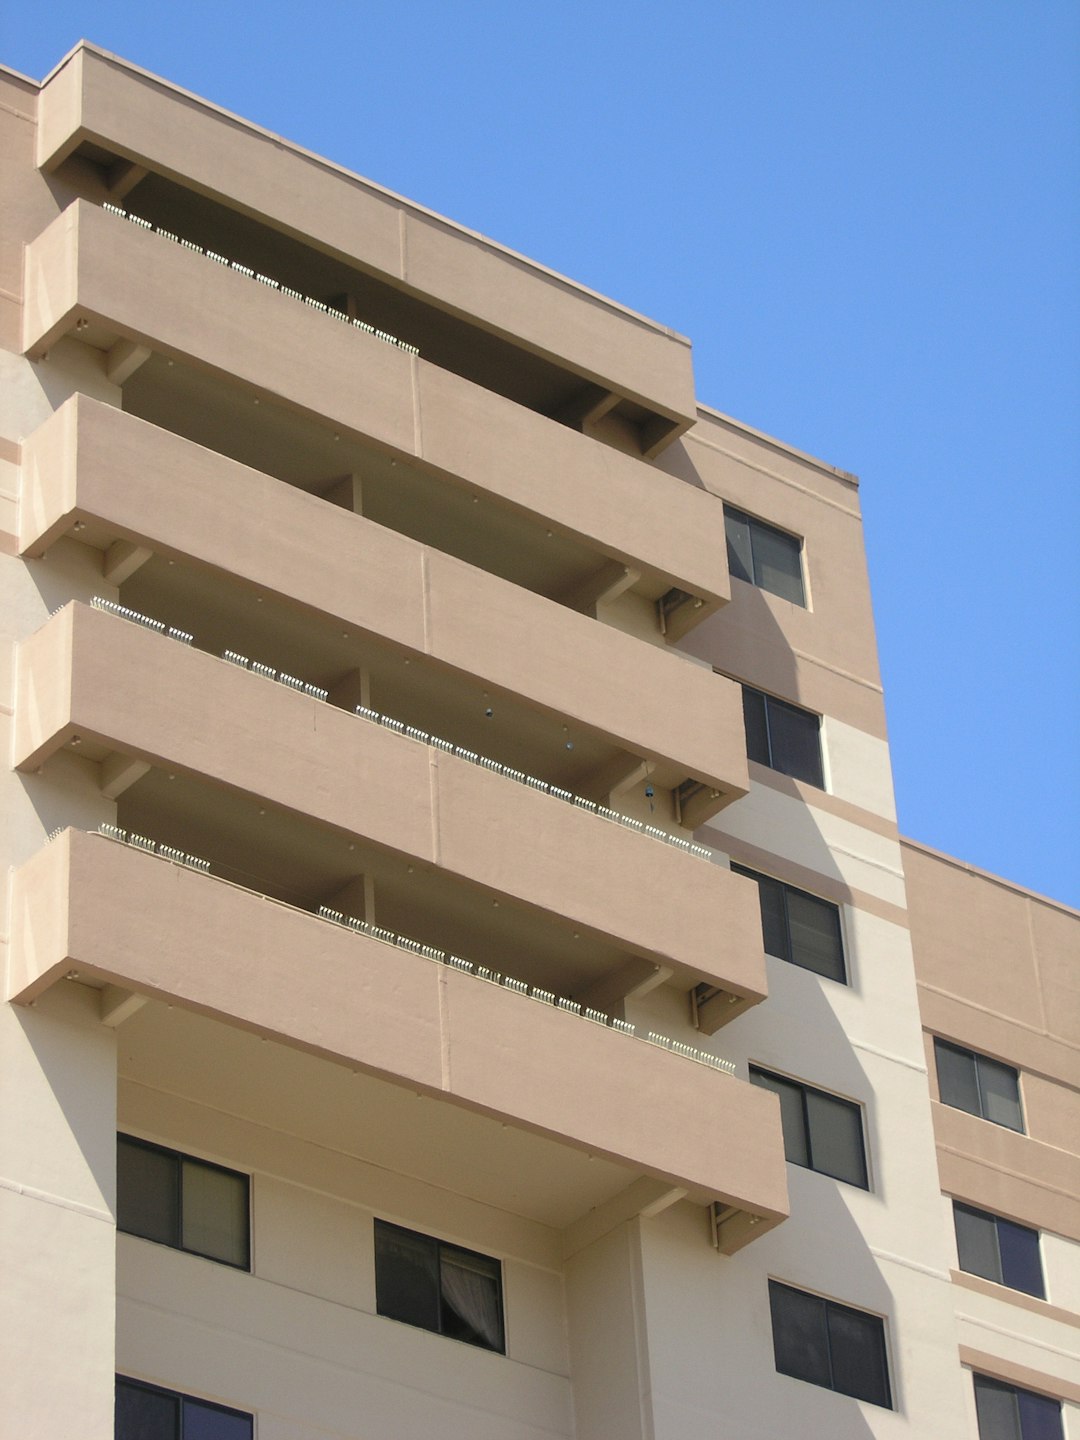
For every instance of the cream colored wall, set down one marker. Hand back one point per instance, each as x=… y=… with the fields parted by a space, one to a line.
x=57 y=1169
x=57 y=1123
x=710 y=1336
x=299 y=1340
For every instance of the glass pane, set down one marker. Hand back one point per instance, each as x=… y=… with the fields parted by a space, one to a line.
x=407 y=1277
x=143 y=1414
x=146 y=1192
x=957 y=1085
x=791 y=1114
x=857 y=1349
x=757 y=732
x=836 y=1138
x=1021 y=1264
x=998 y=1413
x=815 y=935
x=1040 y=1417
x=778 y=563
x=211 y=1422
x=773 y=917
x=795 y=742
x=739 y=558
x=471 y=1297
x=1000 y=1093
x=977 y=1243
x=800 y=1344
x=215 y=1213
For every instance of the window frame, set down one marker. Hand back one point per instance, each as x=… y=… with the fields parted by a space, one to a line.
x=1000 y=1223
x=1020 y=1395
x=750 y=695
x=765 y=530
x=778 y=1288
x=438 y=1247
x=978 y=1059
x=841 y=1102
x=787 y=890
x=180 y=1159
x=129 y=1382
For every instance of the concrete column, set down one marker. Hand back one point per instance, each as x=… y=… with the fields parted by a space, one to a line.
x=609 y=1357
x=57 y=1208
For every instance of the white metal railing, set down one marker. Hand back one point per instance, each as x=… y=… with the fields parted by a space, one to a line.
x=604 y=811
x=158 y=626
x=152 y=847
x=429 y=952
x=269 y=673
x=250 y=274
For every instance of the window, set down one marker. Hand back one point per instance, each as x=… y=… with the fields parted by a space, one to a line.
x=979 y=1085
x=997 y=1249
x=1008 y=1413
x=438 y=1287
x=146 y=1412
x=821 y=1132
x=799 y=927
x=764 y=556
x=179 y=1201
x=829 y=1344
x=782 y=736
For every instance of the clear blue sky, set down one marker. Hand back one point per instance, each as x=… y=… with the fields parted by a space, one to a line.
x=865 y=213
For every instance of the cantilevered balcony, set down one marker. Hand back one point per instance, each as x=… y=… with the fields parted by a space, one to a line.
x=126 y=697
x=137 y=926
x=459 y=291
x=631 y=706
x=130 y=293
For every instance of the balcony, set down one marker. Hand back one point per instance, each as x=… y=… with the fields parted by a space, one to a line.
x=197 y=942
x=628 y=704
x=147 y=709
x=131 y=293
x=185 y=158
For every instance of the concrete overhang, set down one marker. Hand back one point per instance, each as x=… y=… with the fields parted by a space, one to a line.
x=128 y=692
x=88 y=908
x=129 y=292
x=130 y=123
x=87 y=466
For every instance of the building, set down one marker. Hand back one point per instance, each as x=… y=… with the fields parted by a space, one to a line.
x=452 y=844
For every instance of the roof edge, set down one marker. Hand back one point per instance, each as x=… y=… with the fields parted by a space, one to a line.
x=907 y=843
x=373 y=185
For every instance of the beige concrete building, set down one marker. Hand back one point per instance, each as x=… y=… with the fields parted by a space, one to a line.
x=462 y=975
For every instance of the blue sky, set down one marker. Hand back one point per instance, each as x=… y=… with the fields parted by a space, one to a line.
x=865 y=213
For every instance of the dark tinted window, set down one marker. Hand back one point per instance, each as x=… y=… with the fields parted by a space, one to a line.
x=424 y=1282
x=798 y=927
x=764 y=556
x=979 y=1085
x=1008 y=1413
x=825 y=1343
x=821 y=1131
x=998 y=1249
x=146 y=1412
x=183 y=1202
x=783 y=736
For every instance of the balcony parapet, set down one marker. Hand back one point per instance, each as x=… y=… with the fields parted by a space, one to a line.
x=148 y=125
x=85 y=473
x=195 y=941
x=130 y=292
x=123 y=692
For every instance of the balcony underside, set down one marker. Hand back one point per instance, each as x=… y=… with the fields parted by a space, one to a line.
x=137 y=926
